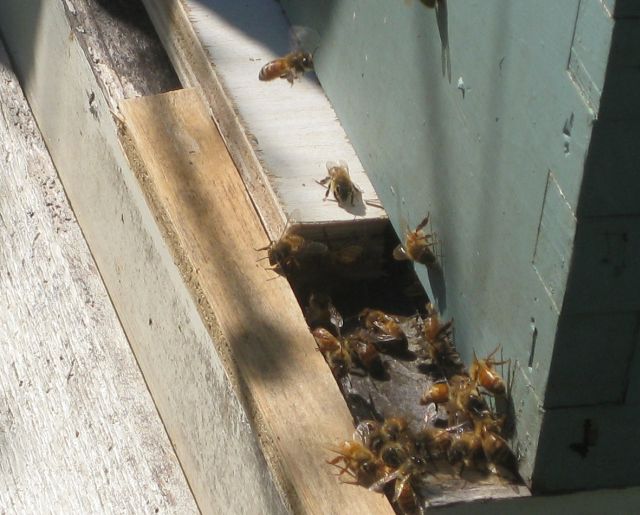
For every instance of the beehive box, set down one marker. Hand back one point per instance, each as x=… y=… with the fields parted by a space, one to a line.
x=513 y=124
x=467 y=213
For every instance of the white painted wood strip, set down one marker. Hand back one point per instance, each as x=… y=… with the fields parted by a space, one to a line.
x=79 y=432
x=295 y=128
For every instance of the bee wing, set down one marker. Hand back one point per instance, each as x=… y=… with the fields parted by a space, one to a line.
x=379 y=485
x=343 y=164
x=432 y=414
x=332 y=164
x=348 y=255
x=291 y=221
x=335 y=317
x=315 y=248
x=383 y=338
x=293 y=217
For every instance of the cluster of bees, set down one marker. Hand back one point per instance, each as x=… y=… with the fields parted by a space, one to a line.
x=386 y=454
x=463 y=429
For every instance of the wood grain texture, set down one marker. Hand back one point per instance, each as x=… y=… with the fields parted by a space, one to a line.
x=205 y=417
x=79 y=432
x=296 y=406
x=280 y=137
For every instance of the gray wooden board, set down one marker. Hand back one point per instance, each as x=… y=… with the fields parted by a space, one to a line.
x=79 y=432
x=122 y=48
x=596 y=502
x=201 y=410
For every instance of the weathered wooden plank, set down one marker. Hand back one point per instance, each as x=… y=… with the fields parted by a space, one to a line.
x=79 y=432
x=203 y=205
x=204 y=415
x=280 y=137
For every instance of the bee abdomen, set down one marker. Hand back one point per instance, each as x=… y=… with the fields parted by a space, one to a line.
x=271 y=70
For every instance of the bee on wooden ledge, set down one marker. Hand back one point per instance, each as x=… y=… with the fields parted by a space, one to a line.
x=289 y=67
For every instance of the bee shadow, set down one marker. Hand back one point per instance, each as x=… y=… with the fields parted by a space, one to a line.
x=356 y=206
x=437 y=282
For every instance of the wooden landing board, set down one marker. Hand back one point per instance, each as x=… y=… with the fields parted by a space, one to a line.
x=79 y=432
x=279 y=136
x=202 y=204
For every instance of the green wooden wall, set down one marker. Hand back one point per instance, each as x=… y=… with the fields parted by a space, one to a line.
x=527 y=156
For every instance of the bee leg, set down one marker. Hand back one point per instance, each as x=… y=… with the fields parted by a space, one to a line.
x=424 y=222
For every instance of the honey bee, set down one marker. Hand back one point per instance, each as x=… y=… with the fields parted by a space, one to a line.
x=496 y=449
x=384 y=329
x=340 y=184
x=407 y=500
x=366 y=354
x=465 y=400
x=439 y=338
x=322 y=312
x=409 y=466
x=375 y=434
x=357 y=461
x=434 y=329
x=433 y=442
x=335 y=353
x=437 y=393
x=288 y=67
x=418 y=246
x=483 y=372
x=291 y=250
x=466 y=447
x=393 y=454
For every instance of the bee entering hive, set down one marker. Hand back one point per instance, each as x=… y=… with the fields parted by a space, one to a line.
x=426 y=426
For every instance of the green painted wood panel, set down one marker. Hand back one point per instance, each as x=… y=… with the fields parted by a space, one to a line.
x=527 y=159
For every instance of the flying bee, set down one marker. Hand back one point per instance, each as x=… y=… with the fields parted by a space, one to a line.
x=288 y=67
x=483 y=372
x=418 y=246
x=357 y=461
x=339 y=183
x=291 y=251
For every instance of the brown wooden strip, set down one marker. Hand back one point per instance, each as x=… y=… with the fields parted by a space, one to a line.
x=295 y=405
